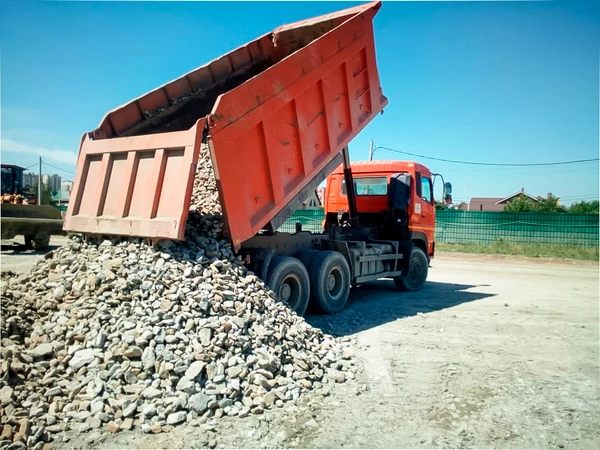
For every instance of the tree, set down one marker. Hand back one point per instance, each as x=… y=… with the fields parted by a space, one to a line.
x=46 y=194
x=520 y=204
x=441 y=205
x=583 y=207
x=523 y=203
x=549 y=204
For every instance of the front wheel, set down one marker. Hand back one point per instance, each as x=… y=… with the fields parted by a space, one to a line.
x=417 y=272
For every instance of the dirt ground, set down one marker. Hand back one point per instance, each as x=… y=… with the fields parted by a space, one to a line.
x=495 y=351
x=16 y=258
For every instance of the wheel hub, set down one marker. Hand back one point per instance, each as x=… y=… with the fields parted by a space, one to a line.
x=330 y=282
x=290 y=290
x=285 y=292
x=335 y=282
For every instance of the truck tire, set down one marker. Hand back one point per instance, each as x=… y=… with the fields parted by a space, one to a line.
x=28 y=242
x=417 y=272
x=264 y=259
x=329 y=275
x=307 y=257
x=40 y=241
x=288 y=278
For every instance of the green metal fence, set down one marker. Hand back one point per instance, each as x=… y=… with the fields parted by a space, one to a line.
x=475 y=227
x=311 y=220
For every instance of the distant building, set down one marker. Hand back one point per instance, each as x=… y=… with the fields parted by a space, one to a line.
x=494 y=203
x=30 y=180
x=53 y=181
x=66 y=186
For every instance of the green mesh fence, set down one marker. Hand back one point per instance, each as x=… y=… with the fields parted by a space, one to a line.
x=474 y=227
x=311 y=220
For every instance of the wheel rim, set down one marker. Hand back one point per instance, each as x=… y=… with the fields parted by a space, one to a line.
x=290 y=290
x=335 y=283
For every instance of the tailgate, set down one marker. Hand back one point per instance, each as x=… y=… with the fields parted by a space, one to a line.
x=135 y=186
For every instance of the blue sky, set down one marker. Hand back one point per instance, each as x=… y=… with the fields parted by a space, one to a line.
x=504 y=82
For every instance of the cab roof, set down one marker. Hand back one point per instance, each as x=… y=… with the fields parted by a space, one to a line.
x=391 y=166
x=13 y=166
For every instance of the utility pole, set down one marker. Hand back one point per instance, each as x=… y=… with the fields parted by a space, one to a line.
x=371 y=151
x=39 y=202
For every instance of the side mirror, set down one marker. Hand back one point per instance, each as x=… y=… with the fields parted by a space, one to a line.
x=448 y=199
x=447 y=189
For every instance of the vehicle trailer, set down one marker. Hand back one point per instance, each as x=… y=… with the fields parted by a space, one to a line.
x=277 y=115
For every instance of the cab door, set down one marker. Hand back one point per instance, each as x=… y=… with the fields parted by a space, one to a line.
x=423 y=217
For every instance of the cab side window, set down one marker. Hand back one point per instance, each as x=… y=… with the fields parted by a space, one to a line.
x=426 y=189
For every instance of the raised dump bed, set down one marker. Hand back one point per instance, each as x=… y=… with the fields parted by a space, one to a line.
x=275 y=113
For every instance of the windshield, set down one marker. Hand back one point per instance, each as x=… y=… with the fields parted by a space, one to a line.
x=368 y=186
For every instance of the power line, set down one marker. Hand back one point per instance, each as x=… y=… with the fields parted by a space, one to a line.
x=581 y=197
x=492 y=164
x=574 y=197
x=58 y=168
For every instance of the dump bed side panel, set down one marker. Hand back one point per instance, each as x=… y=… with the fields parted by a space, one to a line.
x=272 y=135
x=135 y=186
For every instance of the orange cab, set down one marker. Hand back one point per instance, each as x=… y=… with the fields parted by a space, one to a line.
x=373 y=181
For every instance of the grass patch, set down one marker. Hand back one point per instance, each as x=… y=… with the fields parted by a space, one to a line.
x=531 y=250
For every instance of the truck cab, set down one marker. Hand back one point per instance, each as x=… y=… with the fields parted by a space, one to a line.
x=388 y=193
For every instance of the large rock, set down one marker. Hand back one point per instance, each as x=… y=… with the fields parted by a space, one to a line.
x=151 y=393
x=6 y=395
x=42 y=351
x=177 y=417
x=82 y=358
x=195 y=370
x=199 y=402
x=148 y=358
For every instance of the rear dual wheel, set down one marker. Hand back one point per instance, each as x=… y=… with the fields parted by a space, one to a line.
x=329 y=276
x=288 y=278
x=321 y=278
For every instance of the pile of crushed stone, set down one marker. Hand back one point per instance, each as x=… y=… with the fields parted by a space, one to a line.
x=116 y=333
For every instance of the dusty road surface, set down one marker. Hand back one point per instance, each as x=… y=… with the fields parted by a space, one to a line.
x=18 y=259
x=495 y=352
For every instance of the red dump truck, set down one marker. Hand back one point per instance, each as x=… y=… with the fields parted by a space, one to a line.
x=277 y=115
